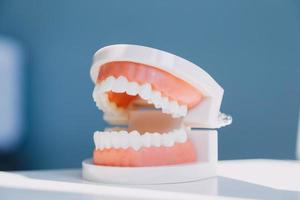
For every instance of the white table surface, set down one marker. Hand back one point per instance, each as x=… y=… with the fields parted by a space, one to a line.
x=250 y=179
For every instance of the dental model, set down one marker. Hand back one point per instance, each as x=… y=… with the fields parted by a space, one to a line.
x=157 y=101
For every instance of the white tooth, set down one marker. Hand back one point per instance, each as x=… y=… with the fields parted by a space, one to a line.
x=105 y=137
x=107 y=84
x=164 y=102
x=123 y=139
x=96 y=92
x=115 y=118
x=174 y=107
x=176 y=115
x=146 y=139
x=115 y=140
x=155 y=139
x=99 y=105
x=132 y=88
x=97 y=140
x=156 y=99
x=181 y=136
x=183 y=110
x=102 y=141
x=101 y=102
x=134 y=140
x=167 y=139
x=145 y=91
x=103 y=98
x=120 y=84
x=167 y=108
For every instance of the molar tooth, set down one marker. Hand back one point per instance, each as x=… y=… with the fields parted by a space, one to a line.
x=101 y=102
x=174 y=106
x=132 y=88
x=167 y=108
x=174 y=109
x=96 y=92
x=145 y=91
x=114 y=119
x=134 y=140
x=99 y=106
x=183 y=110
x=103 y=98
x=167 y=139
x=155 y=139
x=174 y=135
x=176 y=115
x=181 y=136
x=146 y=139
x=120 y=85
x=164 y=102
x=107 y=84
x=156 y=99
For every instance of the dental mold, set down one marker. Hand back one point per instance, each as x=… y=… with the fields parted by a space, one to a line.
x=161 y=98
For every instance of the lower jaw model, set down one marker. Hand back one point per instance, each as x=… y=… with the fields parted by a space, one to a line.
x=153 y=104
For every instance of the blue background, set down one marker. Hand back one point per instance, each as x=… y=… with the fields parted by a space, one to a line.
x=252 y=49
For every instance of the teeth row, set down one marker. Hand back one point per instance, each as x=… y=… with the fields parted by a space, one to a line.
x=121 y=84
x=112 y=112
x=103 y=102
x=123 y=139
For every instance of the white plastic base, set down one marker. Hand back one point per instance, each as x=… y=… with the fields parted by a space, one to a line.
x=205 y=142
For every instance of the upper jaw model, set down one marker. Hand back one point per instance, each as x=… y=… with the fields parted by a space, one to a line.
x=156 y=99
